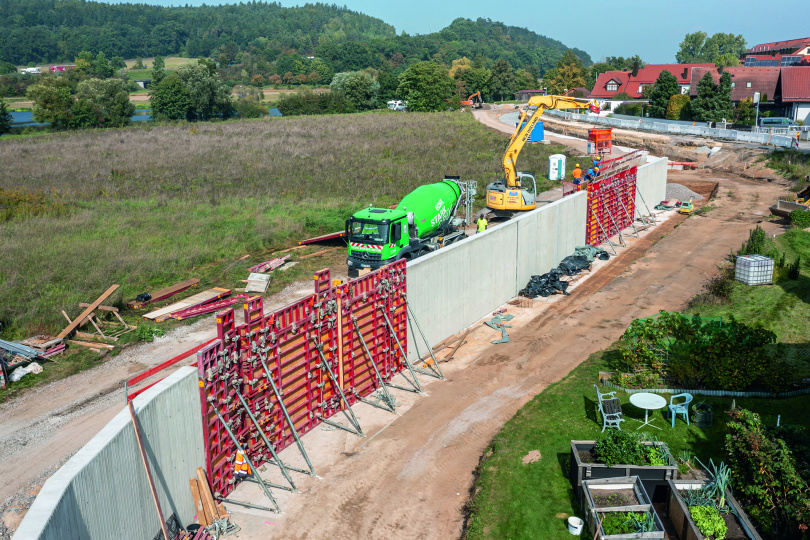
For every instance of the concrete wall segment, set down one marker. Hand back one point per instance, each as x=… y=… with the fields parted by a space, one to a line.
x=102 y=491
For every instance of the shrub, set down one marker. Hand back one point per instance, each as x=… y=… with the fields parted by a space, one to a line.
x=794 y=268
x=765 y=479
x=757 y=243
x=800 y=218
x=621 y=447
x=678 y=107
x=148 y=332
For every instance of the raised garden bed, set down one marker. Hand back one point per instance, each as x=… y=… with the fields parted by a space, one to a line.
x=617 y=525
x=614 y=495
x=652 y=477
x=739 y=526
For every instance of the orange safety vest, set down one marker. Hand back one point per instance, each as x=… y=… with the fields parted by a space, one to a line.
x=577 y=173
x=240 y=464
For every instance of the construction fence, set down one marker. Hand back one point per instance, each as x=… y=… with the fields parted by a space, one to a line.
x=649 y=124
x=259 y=387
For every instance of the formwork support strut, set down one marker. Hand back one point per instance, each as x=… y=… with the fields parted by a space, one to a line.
x=438 y=371
x=267 y=443
x=627 y=213
x=250 y=463
x=386 y=396
x=287 y=417
x=415 y=382
x=347 y=411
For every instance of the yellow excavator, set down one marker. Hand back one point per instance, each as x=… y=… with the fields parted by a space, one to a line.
x=517 y=191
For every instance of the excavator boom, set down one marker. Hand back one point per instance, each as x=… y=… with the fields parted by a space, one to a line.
x=522 y=132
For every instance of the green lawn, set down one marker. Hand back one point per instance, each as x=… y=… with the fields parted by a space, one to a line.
x=515 y=501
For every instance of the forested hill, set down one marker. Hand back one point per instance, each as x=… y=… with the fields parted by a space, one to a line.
x=44 y=31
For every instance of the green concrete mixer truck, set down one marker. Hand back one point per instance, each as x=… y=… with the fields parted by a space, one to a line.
x=424 y=221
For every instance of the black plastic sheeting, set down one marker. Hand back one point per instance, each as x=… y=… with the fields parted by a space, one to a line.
x=550 y=283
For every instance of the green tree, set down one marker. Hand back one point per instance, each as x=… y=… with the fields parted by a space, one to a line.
x=249 y=102
x=524 y=80
x=158 y=72
x=5 y=118
x=703 y=105
x=109 y=100
x=139 y=64
x=360 y=88
x=678 y=107
x=52 y=101
x=697 y=48
x=723 y=108
x=426 y=86
x=502 y=80
x=473 y=79
x=7 y=68
x=744 y=112
x=727 y=60
x=570 y=74
x=210 y=98
x=170 y=99
x=118 y=63
x=101 y=67
x=666 y=86
x=388 y=85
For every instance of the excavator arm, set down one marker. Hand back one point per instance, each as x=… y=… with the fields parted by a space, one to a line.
x=535 y=107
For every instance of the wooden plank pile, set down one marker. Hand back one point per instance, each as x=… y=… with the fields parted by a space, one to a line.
x=197 y=300
x=208 y=510
x=163 y=294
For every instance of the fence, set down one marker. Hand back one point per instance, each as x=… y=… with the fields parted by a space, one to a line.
x=651 y=125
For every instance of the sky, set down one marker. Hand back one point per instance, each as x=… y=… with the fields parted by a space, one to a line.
x=652 y=29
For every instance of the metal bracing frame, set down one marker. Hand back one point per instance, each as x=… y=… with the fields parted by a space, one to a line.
x=267 y=443
x=294 y=431
x=386 y=397
x=347 y=410
x=615 y=227
x=607 y=236
x=649 y=213
x=252 y=468
x=627 y=213
x=415 y=382
x=438 y=371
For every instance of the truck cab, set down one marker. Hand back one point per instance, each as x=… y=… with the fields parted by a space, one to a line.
x=376 y=236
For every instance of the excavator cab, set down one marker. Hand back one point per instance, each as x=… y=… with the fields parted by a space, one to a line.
x=505 y=201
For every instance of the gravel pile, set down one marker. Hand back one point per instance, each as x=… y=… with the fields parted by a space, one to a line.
x=682 y=193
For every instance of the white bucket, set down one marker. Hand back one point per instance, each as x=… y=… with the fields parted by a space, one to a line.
x=575 y=525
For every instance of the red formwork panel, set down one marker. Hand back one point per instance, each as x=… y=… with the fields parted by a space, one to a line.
x=611 y=205
x=288 y=340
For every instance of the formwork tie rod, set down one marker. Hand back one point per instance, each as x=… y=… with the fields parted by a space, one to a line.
x=411 y=315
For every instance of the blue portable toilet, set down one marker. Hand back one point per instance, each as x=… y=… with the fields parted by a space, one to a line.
x=537 y=133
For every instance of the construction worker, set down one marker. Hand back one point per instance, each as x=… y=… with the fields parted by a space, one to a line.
x=597 y=160
x=596 y=172
x=482 y=224
x=797 y=140
x=590 y=174
x=240 y=465
x=577 y=174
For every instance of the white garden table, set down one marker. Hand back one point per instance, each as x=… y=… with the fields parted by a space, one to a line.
x=648 y=402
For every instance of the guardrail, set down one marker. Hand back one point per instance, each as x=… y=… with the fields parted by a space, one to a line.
x=652 y=125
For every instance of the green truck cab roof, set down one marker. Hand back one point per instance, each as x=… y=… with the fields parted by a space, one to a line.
x=379 y=214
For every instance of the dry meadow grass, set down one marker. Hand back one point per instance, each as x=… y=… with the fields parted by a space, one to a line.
x=153 y=205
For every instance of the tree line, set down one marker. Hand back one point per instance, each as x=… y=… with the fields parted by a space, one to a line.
x=57 y=30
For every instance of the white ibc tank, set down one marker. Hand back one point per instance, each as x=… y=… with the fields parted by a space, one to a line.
x=556 y=167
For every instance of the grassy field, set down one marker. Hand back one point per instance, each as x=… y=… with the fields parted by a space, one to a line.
x=148 y=206
x=172 y=62
x=517 y=501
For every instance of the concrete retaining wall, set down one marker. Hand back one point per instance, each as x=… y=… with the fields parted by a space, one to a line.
x=452 y=288
x=102 y=492
x=651 y=184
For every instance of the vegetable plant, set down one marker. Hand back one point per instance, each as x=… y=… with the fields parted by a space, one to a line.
x=709 y=521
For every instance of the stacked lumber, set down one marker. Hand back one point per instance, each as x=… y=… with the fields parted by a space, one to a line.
x=208 y=510
x=163 y=294
x=196 y=300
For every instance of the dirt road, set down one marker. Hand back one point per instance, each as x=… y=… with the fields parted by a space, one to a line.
x=412 y=479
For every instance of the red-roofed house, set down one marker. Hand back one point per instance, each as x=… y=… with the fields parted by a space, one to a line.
x=744 y=81
x=795 y=92
x=610 y=83
x=792 y=52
